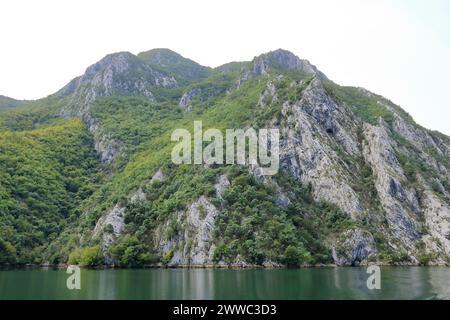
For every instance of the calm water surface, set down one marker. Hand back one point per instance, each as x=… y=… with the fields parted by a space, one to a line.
x=314 y=283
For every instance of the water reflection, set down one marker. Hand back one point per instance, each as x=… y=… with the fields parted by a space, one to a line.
x=321 y=283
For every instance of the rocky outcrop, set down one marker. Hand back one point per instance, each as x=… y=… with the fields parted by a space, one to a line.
x=306 y=152
x=158 y=176
x=221 y=185
x=284 y=60
x=192 y=245
x=110 y=226
x=269 y=96
x=399 y=203
x=107 y=147
x=331 y=117
x=354 y=247
x=186 y=98
x=139 y=196
x=279 y=60
x=116 y=74
x=116 y=216
x=119 y=73
x=437 y=219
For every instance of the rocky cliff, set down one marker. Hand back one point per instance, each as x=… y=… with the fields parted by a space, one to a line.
x=359 y=180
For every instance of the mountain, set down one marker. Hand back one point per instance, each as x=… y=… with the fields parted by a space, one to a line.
x=175 y=64
x=7 y=103
x=87 y=177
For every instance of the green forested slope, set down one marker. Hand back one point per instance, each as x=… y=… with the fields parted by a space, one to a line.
x=45 y=174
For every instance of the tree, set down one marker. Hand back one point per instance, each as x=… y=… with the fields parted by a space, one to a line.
x=7 y=252
x=87 y=256
x=295 y=256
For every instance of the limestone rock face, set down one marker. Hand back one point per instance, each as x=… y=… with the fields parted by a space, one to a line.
x=354 y=247
x=139 y=196
x=306 y=148
x=283 y=59
x=356 y=150
x=120 y=73
x=115 y=219
x=399 y=203
x=185 y=101
x=221 y=185
x=193 y=245
x=324 y=145
x=437 y=219
x=158 y=176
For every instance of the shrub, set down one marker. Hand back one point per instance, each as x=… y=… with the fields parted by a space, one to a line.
x=167 y=257
x=425 y=258
x=295 y=256
x=109 y=229
x=129 y=251
x=7 y=252
x=86 y=257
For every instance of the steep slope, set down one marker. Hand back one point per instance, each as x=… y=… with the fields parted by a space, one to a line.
x=45 y=174
x=116 y=74
x=360 y=181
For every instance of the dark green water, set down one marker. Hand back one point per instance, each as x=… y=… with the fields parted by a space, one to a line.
x=314 y=283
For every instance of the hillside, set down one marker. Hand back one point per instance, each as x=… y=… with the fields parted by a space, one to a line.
x=8 y=103
x=87 y=176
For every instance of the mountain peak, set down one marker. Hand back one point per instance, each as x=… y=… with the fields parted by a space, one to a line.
x=120 y=73
x=181 y=67
x=161 y=56
x=118 y=60
x=284 y=60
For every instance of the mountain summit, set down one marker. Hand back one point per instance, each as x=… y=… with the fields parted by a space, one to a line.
x=174 y=63
x=284 y=60
x=87 y=177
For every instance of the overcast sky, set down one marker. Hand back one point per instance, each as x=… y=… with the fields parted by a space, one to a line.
x=399 y=48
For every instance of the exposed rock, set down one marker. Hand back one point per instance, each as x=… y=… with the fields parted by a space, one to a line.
x=400 y=204
x=107 y=148
x=355 y=246
x=221 y=185
x=437 y=217
x=115 y=218
x=417 y=137
x=158 y=176
x=139 y=196
x=282 y=200
x=269 y=95
x=272 y=265
x=285 y=60
x=304 y=153
x=119 y=73
x=193 y=245
x=333 y=119
x=278 y=60
x=187 y=97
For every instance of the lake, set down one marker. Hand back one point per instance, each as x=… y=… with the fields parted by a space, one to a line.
x=308 y=283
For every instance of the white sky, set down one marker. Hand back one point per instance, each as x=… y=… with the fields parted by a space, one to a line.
x=399 y=49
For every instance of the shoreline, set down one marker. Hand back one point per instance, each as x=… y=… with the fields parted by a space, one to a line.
x=212 y=266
